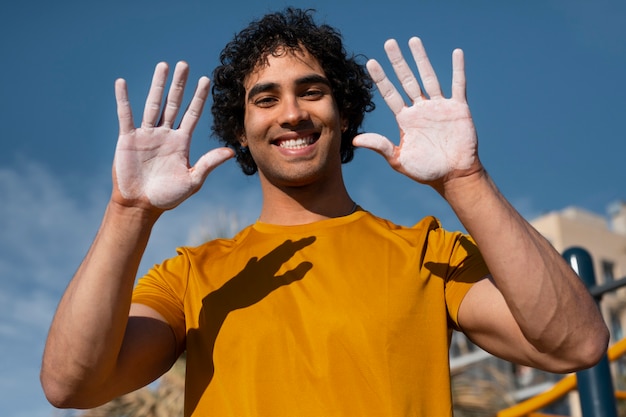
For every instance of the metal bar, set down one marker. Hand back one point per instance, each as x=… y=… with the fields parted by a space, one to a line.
x=594 y=384
x=600 y=290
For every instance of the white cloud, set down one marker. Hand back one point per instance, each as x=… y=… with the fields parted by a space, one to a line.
x=41 y=226
x=42 y=229
x=48 y=223
x=47 y=228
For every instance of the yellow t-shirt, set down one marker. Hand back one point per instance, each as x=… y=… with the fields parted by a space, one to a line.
x=344 y=317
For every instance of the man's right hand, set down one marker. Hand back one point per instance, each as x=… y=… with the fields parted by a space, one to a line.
x=151 y=169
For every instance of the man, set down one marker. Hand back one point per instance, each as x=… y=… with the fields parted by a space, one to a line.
x=320 y=308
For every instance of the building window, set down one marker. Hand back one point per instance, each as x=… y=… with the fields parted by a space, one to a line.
x=616 y=327
x=608 y=273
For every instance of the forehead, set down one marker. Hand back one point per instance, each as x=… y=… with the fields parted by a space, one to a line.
x=282 y=66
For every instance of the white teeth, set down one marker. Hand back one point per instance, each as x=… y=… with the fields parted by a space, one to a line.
x=296 y=143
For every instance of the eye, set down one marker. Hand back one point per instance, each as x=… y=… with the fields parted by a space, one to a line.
x=265 y=101
x=313 y=94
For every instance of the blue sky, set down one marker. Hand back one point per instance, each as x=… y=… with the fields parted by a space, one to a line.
x=545 y=85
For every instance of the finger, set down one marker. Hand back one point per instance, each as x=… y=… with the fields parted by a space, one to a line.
x=208 y=162
x=295 y=274
x=155 y=96
x=175 y=95
x=459 y=84
x=402 y=70
x=124 y=111
x=375 y=142
x=426 y=71
x=194 y=111
x=387 y=90
x=285 y=251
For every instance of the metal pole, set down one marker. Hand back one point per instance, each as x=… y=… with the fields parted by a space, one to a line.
x=595 y=386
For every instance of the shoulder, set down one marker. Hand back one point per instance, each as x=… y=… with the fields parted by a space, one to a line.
x=214 y=247
x=425 y=225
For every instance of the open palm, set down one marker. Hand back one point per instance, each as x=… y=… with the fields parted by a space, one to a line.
x=437 y=136
x=152 y=161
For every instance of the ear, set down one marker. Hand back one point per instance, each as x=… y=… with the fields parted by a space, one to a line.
x=344 y=124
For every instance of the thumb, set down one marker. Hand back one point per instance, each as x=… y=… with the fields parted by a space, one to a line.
x=208 y=162
x=375 y=142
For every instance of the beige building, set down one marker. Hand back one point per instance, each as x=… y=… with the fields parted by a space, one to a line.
x=604 y=237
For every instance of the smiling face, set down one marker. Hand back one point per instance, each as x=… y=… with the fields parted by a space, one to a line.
x=292 y=124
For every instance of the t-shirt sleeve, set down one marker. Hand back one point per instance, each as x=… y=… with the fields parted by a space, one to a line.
x=465 y=267
x=163 y=289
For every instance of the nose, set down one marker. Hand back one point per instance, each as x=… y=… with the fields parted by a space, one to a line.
x=292 y=112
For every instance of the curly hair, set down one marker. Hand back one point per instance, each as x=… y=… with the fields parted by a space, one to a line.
x=294 y=30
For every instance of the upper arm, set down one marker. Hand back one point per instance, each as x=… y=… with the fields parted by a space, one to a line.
x=486 y=319
x=149 y=349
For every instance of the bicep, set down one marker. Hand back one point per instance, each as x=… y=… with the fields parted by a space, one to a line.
x=149 y=349
x=485 y=318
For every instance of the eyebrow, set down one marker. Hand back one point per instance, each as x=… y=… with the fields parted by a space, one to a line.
x=307 y=79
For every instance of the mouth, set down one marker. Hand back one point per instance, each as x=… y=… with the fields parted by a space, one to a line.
x=296 y=143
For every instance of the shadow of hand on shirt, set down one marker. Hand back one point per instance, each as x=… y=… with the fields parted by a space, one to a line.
x=256 y=281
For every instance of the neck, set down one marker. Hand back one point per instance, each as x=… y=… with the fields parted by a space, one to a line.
x=289 y=206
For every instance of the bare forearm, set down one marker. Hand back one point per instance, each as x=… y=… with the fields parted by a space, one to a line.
x=547 y=308
x=548 y=301
x=88 y=328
